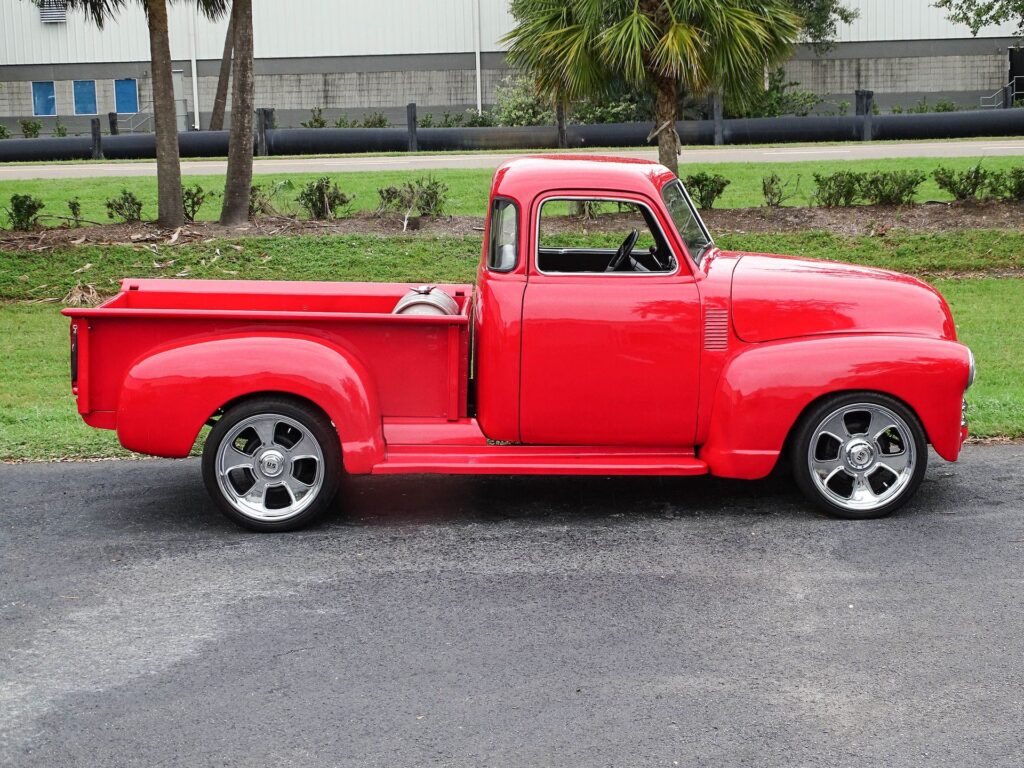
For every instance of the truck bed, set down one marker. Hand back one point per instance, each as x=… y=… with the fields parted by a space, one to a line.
x=419 y=365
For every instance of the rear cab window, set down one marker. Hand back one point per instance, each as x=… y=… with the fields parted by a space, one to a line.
x=503 y=243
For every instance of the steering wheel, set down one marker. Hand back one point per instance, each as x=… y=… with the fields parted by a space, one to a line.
x=624 y=250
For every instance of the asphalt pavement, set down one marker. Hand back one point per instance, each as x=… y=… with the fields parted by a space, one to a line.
x=782 y=153
x=511 y=621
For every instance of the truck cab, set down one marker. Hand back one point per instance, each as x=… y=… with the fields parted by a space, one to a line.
x=606 y=334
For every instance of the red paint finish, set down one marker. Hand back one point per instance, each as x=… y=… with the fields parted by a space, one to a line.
x=704 y=370
x=778 y=297
x=765 y=388
x=602 y=357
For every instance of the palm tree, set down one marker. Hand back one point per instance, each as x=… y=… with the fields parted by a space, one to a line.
x=238 y=184
x=220 y=99
x=666 y=46
x=170 y=212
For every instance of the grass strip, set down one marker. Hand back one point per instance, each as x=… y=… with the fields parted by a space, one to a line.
x=469 y=188
x=52 y=274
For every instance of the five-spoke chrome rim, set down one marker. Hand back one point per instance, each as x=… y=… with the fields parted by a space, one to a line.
x=269 y=467
x=861 y=456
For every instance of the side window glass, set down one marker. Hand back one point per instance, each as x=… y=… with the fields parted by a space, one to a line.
x=504 y=236
x=596 y=236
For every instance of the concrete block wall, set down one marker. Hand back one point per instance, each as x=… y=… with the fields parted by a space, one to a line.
x=935 y=74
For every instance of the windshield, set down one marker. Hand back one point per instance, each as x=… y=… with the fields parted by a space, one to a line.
x=688 y=224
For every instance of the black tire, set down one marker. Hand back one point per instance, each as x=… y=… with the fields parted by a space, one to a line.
x=287 y=414
x=811 y=427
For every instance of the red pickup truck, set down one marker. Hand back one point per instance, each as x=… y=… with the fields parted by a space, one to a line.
x=606 y=335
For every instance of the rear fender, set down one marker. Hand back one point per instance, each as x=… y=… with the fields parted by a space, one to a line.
x=169 y=395
x=766 y=387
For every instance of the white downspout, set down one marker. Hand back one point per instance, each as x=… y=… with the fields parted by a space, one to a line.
x=195 y=70
x=476 y=45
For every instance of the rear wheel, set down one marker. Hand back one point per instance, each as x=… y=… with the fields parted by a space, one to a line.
x=272 y=464
x=859 y=455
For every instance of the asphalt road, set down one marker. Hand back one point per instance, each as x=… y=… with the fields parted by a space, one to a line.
x=732 y=154
x=498 y=621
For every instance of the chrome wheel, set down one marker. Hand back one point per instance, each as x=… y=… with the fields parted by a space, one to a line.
x=861 y=456
x=269 y=467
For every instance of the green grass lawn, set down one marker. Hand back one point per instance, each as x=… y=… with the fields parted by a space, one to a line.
x=51 y=274
x=38 y=418
x=468 y=189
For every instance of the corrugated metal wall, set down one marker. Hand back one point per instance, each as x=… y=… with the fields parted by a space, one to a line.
x=296 y=28
x=300 y=28
x=907 y=20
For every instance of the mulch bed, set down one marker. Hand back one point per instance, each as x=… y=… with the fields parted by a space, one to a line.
x=857 y=220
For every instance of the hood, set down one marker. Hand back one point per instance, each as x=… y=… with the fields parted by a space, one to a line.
x=778 y=297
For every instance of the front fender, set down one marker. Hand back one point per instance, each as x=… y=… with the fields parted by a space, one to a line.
x=765 y=387
x=169 y=395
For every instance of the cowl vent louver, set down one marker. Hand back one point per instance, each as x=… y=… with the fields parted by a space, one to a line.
x=716 y=329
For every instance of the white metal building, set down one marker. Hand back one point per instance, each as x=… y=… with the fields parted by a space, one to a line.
x=352 y=57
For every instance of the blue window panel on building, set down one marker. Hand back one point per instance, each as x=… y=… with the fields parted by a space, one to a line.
x=44 y=98
x=85 y=97
x=126 y=96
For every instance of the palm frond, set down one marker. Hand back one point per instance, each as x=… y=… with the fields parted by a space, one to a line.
x=626 y=42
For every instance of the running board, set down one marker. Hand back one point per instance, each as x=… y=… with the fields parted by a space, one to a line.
x=536 y=460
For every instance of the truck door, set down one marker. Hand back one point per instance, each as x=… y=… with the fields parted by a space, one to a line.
x=610 y=329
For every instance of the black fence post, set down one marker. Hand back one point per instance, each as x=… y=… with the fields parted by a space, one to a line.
x=715 y=107
x=112 y=117
x=410 y=121
x=263 y=120
x=866 y=108
x=97 y=140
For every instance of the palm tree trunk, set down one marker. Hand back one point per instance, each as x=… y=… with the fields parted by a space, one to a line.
x=238 y=186
x=563 y=140
x=220 y=100
x=666 y=114
x=170 y=212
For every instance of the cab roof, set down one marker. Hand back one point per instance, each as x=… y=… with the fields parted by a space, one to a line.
x=523 y=177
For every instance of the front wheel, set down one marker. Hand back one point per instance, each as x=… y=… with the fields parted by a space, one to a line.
x=859 y=455
x=272 y=464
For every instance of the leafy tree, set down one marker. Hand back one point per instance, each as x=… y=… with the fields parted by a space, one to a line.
x=170 y=212
x=821 y=19
x=575 y=48
x=984 y=13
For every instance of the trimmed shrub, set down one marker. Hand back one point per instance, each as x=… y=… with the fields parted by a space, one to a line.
x=126 y=207
x=624 y=109
x=474 y=119
x=776 y=191
x=30 y=128
x=316 y=119
x=192 y=199
x=376 y=120
x=425 y=196
x=59 y=129
x=24 y=212
x=891 y=187
x=837 y=189
x=263 y=198
x=75 y=208
x=4 y=132
x=963 y=185
x=706 y=188
x=322 y=199
x=1013 y=185
x=517 y=102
